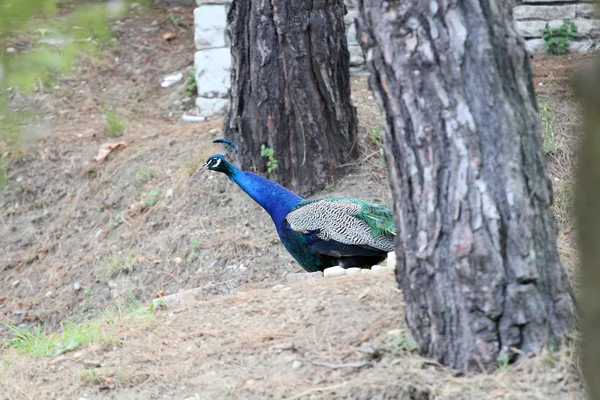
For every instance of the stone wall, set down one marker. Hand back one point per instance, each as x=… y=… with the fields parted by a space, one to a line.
x=531 y=17
x=212 y=59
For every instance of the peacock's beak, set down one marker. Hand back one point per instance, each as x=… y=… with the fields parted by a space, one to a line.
x=204 y=166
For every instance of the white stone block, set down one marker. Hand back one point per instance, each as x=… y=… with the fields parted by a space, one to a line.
x=365 y=271
x=353 y=271
x=533 y=29
x=210 y=22
x=535 y=46
x=585 y=10
x=356 y=56
x=547 y=13
x=377 y=268
x=212 y=72
x=351 y=16
x=201 y=2
x=351 y=35
x=391 y=260
x=211 y=107
x=334 y=271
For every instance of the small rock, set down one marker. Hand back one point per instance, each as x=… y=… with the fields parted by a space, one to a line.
x=334 y=271
x=77 y=355
x=353 y=271
x=76 y=286
x=377 y=268
x=192 y=118
x=169 y=193
x=179 y=310
x=91 y=363
x=172 y=142
x=304 y=277
x=278 y=287
x=250 y=382
x=58 y=360
x=170 y=80
x=213 y=131
x=365 y=271
x=15 y=283
x=151 y=137
x=178 y=260
x=296 y=364
x=391 y=260
x=10 y=50
x=394 y=333
x=189 y=348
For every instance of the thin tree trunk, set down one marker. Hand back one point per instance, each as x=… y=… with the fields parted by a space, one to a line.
x=476 y=240
x=290 y=89
x=588 y=228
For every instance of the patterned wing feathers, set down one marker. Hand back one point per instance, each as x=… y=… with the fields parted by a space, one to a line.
x=347 y=221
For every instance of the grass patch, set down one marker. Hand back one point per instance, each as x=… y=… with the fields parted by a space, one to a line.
x=144 y=175
x=39 y=343
x=548 y=119
x=150 y=199
x=118 y=263
x=3 y=178
x=114 y=125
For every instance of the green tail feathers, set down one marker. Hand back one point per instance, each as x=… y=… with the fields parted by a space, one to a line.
x=377 y=216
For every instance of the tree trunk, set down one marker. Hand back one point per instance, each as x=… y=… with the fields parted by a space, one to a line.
x=588 y=228
x=290 y=89
x=476 y=240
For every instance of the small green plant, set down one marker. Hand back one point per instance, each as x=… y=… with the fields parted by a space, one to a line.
x=190 y=83
x=151 y=198
x=557 y=39
x=117 y=263
x=174 y=19
x=195 y=243
x=548 y=118
x=144 y=175
x=114 y=126
x=269 y=153
x=403 y=343
x=3 y=178
x=375 y=135
x=503 y=361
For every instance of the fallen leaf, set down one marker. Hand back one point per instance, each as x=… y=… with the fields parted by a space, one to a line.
x=168 y=36
x=107 y=148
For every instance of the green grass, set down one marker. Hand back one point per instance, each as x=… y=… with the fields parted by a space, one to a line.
x=144 y=174
x=116 y=263
x=548 y=118
x=3 y=178
x=114 y=125
x=39 y=343
x=151 y=198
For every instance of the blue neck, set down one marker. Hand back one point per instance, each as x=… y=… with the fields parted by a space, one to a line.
x=274 y=198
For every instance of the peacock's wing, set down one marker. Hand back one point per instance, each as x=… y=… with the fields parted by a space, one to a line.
x=344 y=225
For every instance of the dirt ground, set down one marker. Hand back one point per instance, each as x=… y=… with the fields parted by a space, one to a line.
x=80 y=237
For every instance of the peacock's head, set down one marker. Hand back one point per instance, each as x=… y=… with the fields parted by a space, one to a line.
x=218 y=163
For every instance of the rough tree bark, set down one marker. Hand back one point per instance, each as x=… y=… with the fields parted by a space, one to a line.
x=476 y=240
x=290 y=89
x=588 y=228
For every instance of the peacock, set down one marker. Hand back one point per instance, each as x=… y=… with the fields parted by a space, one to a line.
x=318 y=233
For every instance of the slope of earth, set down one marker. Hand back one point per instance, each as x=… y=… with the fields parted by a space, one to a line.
x=335 y=338
x=80 y=237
